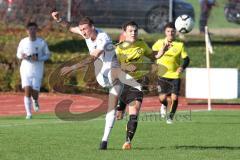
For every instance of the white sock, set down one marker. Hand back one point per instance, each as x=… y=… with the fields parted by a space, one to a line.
x=27 y=104
x=109 y=122
x=163 y=109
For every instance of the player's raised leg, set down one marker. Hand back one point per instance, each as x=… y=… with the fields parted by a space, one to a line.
x=111 y=112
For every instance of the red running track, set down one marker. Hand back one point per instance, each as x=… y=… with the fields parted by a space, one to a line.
x=12 y=103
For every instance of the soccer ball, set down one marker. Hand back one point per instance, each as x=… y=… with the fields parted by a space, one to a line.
x=184 y=24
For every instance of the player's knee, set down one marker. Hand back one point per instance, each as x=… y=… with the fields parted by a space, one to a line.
x=174 y=97
x=162 y=95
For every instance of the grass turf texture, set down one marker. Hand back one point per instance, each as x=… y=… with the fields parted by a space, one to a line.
x=208 y=135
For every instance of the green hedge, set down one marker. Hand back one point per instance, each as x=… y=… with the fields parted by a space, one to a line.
x=65 y=46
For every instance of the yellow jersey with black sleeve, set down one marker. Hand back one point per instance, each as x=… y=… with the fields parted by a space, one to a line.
x=137 y=54
x=169 y=62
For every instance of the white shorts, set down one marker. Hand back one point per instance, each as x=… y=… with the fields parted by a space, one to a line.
x=105 y=79
x=34 y=82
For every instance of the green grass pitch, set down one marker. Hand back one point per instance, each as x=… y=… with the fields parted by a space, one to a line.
x=204 y=135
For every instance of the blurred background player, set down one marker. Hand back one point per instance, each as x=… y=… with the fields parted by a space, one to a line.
x=205 y=8
x=33 y=51
x=133 y=55
x=169 y=52
x=107 y=70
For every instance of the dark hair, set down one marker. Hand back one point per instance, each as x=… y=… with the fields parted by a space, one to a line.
x=169 y=25
x=129 y=23
x=86 y=20
x=31 y=24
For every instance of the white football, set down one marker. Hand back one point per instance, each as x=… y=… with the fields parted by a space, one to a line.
x=184 y=24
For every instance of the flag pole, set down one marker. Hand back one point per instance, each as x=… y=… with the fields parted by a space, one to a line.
x=207 y=43
x=69 y=10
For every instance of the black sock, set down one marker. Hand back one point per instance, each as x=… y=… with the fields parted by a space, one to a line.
x=173 y=108
x=131 y=127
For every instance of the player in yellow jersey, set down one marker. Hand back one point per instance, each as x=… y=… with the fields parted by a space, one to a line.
x=133 y=55
x=169 y=53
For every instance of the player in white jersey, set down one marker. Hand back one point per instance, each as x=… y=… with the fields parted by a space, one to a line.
x=106 y=60
x=33 y=51
x=107 y=69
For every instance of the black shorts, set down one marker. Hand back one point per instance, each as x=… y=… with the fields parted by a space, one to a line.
x=168 y=86
x=130 y=94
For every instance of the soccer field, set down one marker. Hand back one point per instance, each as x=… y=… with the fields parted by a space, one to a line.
x=203 y=135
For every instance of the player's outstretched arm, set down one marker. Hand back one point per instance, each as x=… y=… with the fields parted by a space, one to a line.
x=56 y=16
x=68 y=69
